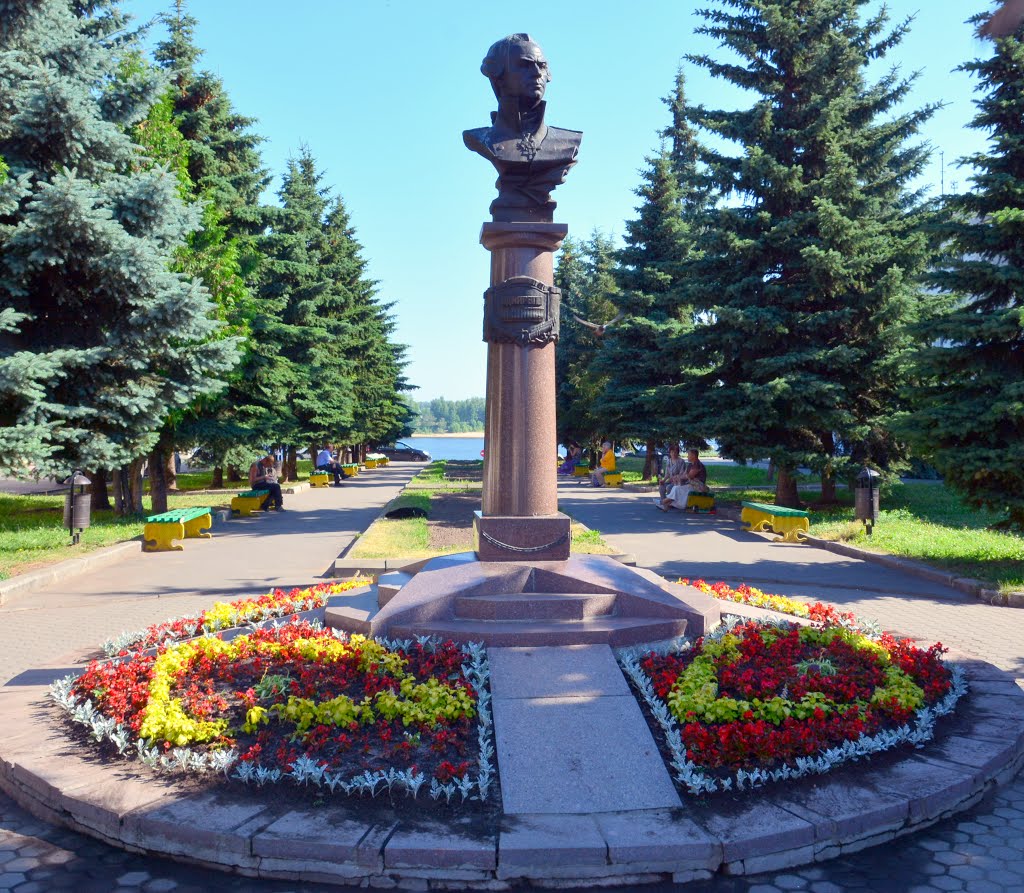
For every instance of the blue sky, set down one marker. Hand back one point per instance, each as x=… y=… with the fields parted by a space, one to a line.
x=381 y=90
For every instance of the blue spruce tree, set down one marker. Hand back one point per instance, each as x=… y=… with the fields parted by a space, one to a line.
x=100 y=340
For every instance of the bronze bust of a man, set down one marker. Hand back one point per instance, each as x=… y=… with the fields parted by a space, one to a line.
x=531 y=158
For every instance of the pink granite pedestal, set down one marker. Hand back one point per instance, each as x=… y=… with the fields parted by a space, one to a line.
x=514 y=538
x=520 y=494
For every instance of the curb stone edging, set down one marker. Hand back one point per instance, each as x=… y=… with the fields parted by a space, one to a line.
x=981 y=746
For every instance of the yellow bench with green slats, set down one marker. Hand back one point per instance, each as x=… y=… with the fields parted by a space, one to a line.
x=161 y=530
x=319 y=479
x=245 y=503
x=791 y=525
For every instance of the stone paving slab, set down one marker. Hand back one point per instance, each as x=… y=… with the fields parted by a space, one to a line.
x=455 y=844
x=658 y=838
x=931 y=788
x=750 y=828
x=206 y=826
x=842 y=810
x=578 y=671
x=551 y=846
x=321 y=835
x=554 y=756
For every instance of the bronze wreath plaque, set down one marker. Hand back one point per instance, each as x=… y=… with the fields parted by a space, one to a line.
x=521 y=310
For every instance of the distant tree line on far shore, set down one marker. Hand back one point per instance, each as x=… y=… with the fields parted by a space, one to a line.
x=442 y=416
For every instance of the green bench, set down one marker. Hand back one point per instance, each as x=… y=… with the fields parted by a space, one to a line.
x=161 y=530
x=245 y=503
x=790 y=525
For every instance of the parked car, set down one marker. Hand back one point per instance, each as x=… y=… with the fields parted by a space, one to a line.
x=403 y=452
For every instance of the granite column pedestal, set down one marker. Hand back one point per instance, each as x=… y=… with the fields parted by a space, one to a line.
x=520 y=520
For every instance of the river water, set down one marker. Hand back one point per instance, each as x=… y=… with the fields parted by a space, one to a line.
x=448 y=447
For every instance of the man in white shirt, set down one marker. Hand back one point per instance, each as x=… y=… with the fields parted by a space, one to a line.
x=325 y=462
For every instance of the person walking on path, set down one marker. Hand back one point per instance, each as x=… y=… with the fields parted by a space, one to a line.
x=263 y=476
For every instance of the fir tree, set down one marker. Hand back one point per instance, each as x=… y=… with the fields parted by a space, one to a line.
x=381 y=414
x=102 y=338
x=584 y=274
x=649 y=385
x=293 y=338
x=807 y=284
x=224 y=172
x=223 y=159
x=969 y=407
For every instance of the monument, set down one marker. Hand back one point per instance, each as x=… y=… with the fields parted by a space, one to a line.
x=521 y=586
x=519 y=517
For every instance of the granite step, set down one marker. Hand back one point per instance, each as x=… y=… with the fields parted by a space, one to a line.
x=389 y=584
x=354 y=614
x=615 y=631
x=534 y=606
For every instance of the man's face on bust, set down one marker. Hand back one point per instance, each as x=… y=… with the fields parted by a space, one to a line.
x=526 y=75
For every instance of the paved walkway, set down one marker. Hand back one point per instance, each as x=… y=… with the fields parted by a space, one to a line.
x=979 y=851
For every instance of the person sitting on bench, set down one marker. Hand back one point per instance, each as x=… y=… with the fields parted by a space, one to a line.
x=325 y=461
x=606 y=465
x=696 y=476
x=263 y=476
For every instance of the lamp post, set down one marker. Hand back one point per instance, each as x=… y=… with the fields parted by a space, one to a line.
x=77 y=505
x=865 y=497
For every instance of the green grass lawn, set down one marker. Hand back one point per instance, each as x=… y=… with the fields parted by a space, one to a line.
x=410 y=537
x=922 y=521
x=32 y=535
x=718 y=475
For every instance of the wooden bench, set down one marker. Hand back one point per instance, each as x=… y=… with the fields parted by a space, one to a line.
x=791 y=525
x=161 y=530
x=248 y=502
x=319 y=479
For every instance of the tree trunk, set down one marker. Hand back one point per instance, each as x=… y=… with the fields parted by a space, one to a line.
x=158 y=475
x=771 y=470
x=171 y=471
x=120 y=500
x=218 y=477
x=828 y=487
x=135 y=485
x=290 y=464
x=100 y=497
x=785 y=489
x=234 y=475
x=649 y=463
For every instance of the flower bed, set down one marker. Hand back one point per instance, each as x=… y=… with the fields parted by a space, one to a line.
x=762 y=701
x=817 y=612
x=297 y=701
x=226 y=615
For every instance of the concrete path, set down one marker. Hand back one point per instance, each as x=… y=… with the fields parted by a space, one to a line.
x=559 y=714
